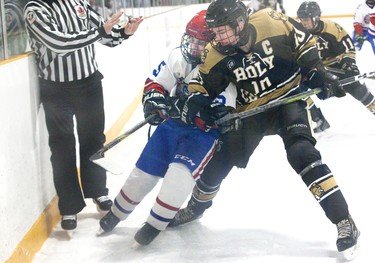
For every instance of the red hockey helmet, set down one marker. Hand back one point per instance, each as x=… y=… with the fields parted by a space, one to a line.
x=198 y=28
x=197 y=35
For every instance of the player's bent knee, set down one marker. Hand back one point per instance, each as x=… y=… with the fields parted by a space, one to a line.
x=301 y=153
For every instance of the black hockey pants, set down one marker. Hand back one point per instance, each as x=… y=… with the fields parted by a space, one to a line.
x=86 y=104
x=291 y=123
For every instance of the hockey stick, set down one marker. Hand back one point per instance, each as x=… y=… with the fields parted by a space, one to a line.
x=353 y=79
x=100 y=153
x=300 y=96
x=266 y=107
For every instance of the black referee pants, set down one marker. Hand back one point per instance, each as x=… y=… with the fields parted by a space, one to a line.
x=86 y=104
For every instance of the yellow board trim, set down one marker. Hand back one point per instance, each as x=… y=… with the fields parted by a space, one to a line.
x=15 y=58
x=37 y=234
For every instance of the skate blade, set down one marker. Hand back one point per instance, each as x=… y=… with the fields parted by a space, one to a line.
x=321 y=134
x=100 y=232
x=351 y=253
x=136 y=245
x=69 y=233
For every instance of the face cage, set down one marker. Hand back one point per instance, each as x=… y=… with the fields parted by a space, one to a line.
x=192 y=49
x=230 y=47
x=314 y=22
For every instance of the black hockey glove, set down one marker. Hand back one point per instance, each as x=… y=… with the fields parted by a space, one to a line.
x=154 y=102
x=199 y=110
x=210 y=114
x=234 y=124
x=192 y=105
x=349 y=66
x=177 y=101
x=328 y=82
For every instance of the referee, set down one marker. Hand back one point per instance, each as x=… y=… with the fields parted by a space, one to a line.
x=62 y=34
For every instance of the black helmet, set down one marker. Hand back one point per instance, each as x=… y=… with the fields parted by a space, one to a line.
x=228 y=12
x=309 y=9
x=225 y=12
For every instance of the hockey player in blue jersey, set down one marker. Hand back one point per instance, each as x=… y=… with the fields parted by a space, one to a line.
x=176 y=151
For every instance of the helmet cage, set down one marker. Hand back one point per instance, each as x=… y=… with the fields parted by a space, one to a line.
x=192 y=48
x=197 y=35
x=230 y=47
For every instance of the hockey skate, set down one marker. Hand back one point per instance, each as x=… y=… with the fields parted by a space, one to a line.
x=108 y=223
x=347 y=240
x=321 y=125
x=103 y=204
x=69 y=223
x=193 y=211
x=371 y=107
x=146 y=234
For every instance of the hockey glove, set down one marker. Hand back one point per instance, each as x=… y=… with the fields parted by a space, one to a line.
x=360 y=38
x=349 y=66
x=209 y=115
x=234 y=124
x=328 y=82
x=193 y=105
x=199 y=110
x=154 y=102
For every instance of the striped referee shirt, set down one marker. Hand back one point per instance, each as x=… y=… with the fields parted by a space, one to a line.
x=62 y=34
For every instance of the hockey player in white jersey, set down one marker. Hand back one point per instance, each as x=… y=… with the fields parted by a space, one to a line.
x=276 y=5
x=176 y=151
x=364 y=26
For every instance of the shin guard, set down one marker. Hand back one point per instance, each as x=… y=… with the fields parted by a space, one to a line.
x=135 y=188
x=321 y=183
x=177 y=185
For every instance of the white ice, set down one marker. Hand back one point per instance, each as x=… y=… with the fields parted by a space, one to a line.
x=262 y=214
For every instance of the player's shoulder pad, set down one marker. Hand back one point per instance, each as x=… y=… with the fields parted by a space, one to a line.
x=334 y=29
x=269 y=23
x=211 y=58
x=175 y=61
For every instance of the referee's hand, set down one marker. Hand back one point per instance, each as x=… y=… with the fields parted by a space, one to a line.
x=111 y=21
x=133 y=25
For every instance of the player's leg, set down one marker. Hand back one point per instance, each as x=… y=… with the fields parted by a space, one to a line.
x=150 y=167
x=234 y=149
x=307 y=162
x=193 y=150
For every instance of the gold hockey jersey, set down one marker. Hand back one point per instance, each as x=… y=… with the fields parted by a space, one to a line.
x=333 y=42
x=281 y=48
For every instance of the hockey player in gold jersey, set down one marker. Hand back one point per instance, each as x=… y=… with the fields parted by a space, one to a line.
x=336 y=49
x=266 y=56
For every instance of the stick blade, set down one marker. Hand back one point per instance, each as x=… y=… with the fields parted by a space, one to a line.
x=109 y=166
x=96 y=156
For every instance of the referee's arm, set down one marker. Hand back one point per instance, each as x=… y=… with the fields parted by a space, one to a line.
x=44 y=28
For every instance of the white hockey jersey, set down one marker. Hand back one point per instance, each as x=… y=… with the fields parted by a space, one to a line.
x=362 y=15
x=174 y=71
